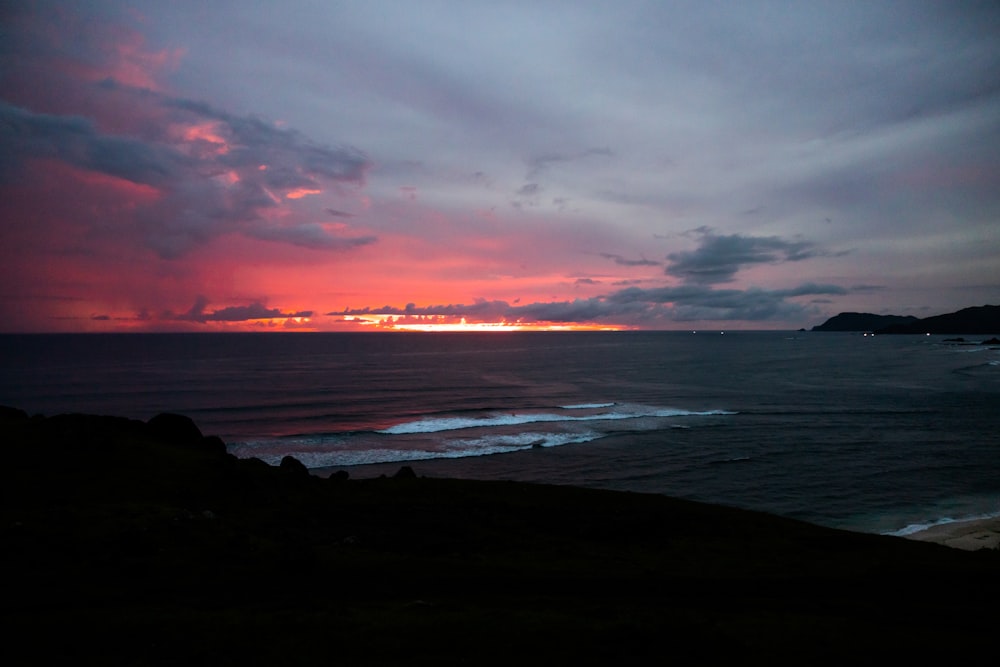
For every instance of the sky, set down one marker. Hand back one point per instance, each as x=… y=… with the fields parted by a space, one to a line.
x=363 y=165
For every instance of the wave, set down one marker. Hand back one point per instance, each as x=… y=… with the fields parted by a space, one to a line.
x=438 y=424
x=918 y=527
x=327 y=452
x=467 y=434
x=734 y=459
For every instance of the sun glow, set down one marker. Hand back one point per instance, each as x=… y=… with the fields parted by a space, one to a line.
x=441 y=323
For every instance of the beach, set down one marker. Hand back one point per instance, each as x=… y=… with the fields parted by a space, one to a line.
x=968 y=535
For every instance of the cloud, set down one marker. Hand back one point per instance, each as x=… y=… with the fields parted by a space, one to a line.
x=632 y=306
x=622 y=261
x=76 y=141
x=540 y=163
x=308 y=235
x=214 y=173
x=254 y=311
x=718 y=258
x=701 y=303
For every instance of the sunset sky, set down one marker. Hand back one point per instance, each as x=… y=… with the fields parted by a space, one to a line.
x=224 y=165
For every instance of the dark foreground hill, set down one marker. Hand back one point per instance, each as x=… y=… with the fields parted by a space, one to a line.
x=144 y=543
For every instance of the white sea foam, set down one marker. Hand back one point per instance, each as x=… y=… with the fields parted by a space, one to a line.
x=521 y=441
x=438 y=424
x=312 y=454
x=459 y=436
x=917 y=527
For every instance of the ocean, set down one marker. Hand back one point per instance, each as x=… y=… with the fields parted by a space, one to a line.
x=880 y=434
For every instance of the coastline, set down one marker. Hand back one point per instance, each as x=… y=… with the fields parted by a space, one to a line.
x=148 y=543
x=970 y=535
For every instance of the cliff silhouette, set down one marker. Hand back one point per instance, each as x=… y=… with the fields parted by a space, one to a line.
x=977 y=320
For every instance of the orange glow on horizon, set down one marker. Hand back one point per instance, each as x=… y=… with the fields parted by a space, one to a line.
x=441 y=323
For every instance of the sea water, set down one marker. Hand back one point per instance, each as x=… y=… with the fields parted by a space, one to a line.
x=880 y=434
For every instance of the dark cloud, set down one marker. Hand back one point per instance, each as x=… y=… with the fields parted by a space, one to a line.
x=718 y=258
x=481 y=308
x=623 y=261
x=308 y=235
x=654 y=307
x=216 y=172
x=254 y=311
x=76 y=141
x=688 y=303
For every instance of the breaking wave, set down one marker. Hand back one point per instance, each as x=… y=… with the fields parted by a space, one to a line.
x=589 y=413
x=482 y=433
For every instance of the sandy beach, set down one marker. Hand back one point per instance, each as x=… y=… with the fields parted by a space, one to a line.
x=967 y=535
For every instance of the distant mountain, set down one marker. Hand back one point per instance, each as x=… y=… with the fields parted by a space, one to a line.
x=976 y=320
x=863 y=322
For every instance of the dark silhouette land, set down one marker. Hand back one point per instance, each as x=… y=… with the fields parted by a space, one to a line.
x=975 y=320
x=147 y=544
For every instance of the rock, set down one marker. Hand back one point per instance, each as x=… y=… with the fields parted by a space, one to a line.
x=406 y=472
x=8 y=414
x=175 y=429
x=340 y=476
x=214 y=443
x=293 y=465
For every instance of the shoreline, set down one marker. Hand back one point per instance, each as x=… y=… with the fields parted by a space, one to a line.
x=148 y=543
x=970 y=535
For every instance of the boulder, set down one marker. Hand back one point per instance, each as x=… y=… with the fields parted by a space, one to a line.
x=175 y=429
x=406 y=472
x=292 y=465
